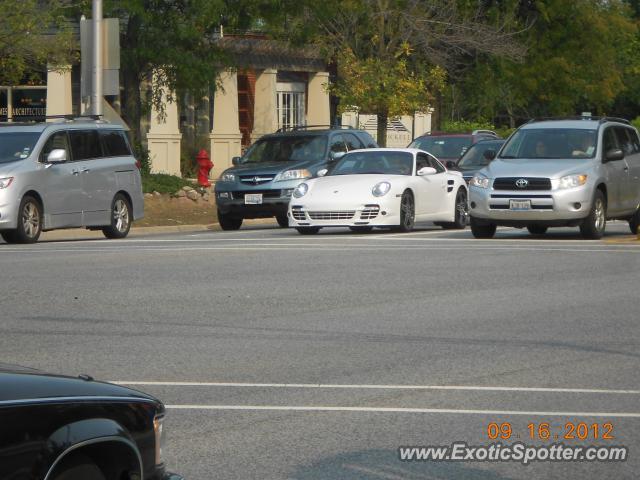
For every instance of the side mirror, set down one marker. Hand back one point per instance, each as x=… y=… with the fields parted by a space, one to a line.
x=322 y=173
x=451 y=165
x=426 y=171
x=613 y=155
x=57 y=155
x=489 y=154
x=335 y=156
x=235 y=160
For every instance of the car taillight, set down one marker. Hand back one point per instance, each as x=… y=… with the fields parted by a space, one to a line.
x=138 y=164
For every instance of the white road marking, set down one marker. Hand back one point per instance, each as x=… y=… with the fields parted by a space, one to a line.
x=322 y=248
x=288 y=408
x=383 y=387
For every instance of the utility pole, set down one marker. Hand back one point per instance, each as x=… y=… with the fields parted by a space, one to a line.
x=96 y=89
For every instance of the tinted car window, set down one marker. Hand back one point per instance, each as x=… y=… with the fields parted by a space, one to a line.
x=634 y=140
x=422 y=160
x=609 y=140
x=624 y=141
x=337 y=144
x=443 y=147
x=376 y=162
x=352 y=141
x=287 y=149
x=114 y=143
x=474 y=157
x=553 y=143
x=85 y=144
x=57 y=141
x=17 y=145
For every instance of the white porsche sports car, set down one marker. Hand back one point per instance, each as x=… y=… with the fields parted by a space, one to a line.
x=383 y=187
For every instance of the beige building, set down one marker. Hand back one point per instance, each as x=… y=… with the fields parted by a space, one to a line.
x=271 y=87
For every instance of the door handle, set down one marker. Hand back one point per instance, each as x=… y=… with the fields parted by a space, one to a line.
x=626 y=169
x=85 y=170
x=75 y=171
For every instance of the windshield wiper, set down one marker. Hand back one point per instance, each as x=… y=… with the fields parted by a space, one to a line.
x=507 y=156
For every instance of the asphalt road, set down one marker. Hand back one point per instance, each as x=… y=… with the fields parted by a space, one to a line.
x=289 y=357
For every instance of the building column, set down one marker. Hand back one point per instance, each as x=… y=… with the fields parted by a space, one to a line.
x=422 y=123
x=265 y=111
x=318 y=111
x=225 y=138
x=163 y=139
x=59 y=101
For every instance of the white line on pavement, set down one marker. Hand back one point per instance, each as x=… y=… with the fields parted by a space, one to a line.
x=319 y=248
x=383 y=387
x=401 y=410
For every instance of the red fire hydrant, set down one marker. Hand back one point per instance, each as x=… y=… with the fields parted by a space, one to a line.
x=204 y=167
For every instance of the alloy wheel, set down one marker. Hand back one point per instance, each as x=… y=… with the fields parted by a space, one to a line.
x=121 y=215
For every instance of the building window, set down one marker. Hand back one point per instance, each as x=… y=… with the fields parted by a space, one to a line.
x=291 y=103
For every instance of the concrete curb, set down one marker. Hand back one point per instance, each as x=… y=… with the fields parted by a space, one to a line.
x=81 y=233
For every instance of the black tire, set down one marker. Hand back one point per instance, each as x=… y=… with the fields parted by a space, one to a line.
x=634 y=222
x=283 y=220
x=121 y=218
x=79 y=467
x=29 y=222
x=593 y=227
x=482 y=230
x=229 y=222
x=407 y=212
x=308 y=230
x=537 y=229
x=460 y=213
x=361 y=229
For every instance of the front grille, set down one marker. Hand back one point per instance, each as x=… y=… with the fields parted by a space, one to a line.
x=256 y=179
x=370 y=212
x=510 y=183
x=298 y=214
x=533 y=207
x=239 y=194
x=332 y=215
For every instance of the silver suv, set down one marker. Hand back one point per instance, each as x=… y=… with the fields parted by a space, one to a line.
x=560 y=172
x=67 y=173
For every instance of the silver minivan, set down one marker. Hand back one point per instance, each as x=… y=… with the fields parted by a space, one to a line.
x=563 y=172
x=64 y=174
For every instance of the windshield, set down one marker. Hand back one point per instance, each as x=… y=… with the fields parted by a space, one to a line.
x=287 y=149
x=539 y=143
x=17 y=145
x=443 y=147
x=378 y=162
x=474 y=157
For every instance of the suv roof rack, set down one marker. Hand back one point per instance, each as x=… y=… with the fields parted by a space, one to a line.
x=581 y=117
x=298 y=128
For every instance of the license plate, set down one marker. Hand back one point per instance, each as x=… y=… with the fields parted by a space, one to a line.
x=519 y=204
x=253 y=199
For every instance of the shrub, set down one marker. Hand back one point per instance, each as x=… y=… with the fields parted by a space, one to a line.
x=466 y=126
x=160 y=182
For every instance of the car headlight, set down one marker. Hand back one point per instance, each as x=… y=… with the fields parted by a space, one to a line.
x=159 y=437
x=571 y=181
x=301 y=190
x=228 y=177
x=5 y=182
x=480 y=181
x=292 y=175
x=381 y=189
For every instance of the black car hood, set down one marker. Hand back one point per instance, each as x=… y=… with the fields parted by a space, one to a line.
x=23 y=383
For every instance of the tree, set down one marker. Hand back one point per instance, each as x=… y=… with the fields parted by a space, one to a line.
x=32 y=34
x=392 y=55
x=582 y=54
x=166 y=45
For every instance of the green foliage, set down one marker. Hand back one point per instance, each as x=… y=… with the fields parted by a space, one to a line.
x=465 y=126
x=636 y=122
x=162 y=183
x=582 y=55
x=32 y=35
x=142 y=155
